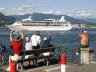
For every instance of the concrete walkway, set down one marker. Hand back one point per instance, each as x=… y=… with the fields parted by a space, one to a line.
x=69 y=68
x=56 y=68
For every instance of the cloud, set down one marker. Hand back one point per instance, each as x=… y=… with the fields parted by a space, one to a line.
x=25 y=6
x=84 y=13
x=48 y=12
x=2 y=9
x=58 y=12
x=70 y=14
x=80 y=13
x=38 y=5
x=21 y=9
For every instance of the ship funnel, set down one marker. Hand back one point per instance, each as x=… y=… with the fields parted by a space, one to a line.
x=27 y=19
x=30 y=17
x=62 y=19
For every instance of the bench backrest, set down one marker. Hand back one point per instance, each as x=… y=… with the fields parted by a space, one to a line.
x=37 y=51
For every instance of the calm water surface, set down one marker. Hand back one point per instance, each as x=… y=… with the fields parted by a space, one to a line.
x=68 y=39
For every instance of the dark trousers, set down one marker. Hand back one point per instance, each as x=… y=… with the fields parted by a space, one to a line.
x=36 y=47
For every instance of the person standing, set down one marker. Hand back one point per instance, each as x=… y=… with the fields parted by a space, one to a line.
x=84 y=43
x=36 y=40
x=17 y=42
x=49 y=38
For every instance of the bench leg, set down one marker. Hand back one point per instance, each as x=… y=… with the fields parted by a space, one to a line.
x=21 y=66
x=35 y=61
x=47 y=59
x=47 y=62
x=17 y=66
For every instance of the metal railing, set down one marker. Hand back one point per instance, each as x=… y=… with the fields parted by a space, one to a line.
x=72 y=57
x=4 y=56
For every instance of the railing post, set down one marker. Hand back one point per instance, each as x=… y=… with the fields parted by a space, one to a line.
x=86 y=55
x=63 y=62
x=13 y=67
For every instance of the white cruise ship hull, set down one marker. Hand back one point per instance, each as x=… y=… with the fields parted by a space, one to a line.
x=40 y=28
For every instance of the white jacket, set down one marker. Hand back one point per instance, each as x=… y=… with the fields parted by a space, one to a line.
x=35 y=39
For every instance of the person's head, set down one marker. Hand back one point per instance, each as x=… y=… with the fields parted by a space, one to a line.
x=45 y=38
x=49 y=33
x=37 y=33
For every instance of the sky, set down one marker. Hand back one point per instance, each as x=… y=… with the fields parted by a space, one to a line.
x=79 y=8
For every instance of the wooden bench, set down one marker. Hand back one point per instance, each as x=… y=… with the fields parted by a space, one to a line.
x=39 y=56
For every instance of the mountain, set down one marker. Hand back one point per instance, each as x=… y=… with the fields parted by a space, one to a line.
x=6 y=19
x=41 y=16
x=92 y=20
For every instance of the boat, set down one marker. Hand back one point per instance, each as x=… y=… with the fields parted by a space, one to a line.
x=45 y=25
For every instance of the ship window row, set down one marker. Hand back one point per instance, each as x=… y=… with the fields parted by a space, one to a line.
x=43 y=24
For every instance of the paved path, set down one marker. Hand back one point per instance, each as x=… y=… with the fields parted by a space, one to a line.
x=56 y=68
x=74 y=68
x=69 y=68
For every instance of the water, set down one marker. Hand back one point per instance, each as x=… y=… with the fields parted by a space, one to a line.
x=68 y=39
x=63 y=40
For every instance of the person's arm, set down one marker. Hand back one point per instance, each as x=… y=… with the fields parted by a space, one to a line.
x=11 y=35
x=21 y=35
x=39 y=40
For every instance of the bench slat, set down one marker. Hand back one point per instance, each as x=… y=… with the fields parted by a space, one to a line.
x=37 y=51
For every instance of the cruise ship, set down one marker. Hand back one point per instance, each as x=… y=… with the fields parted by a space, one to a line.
x=45 y=25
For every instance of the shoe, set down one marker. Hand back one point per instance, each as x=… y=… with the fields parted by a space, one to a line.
x=8 y=69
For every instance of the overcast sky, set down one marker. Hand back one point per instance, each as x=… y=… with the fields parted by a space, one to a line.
x=68 y=7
